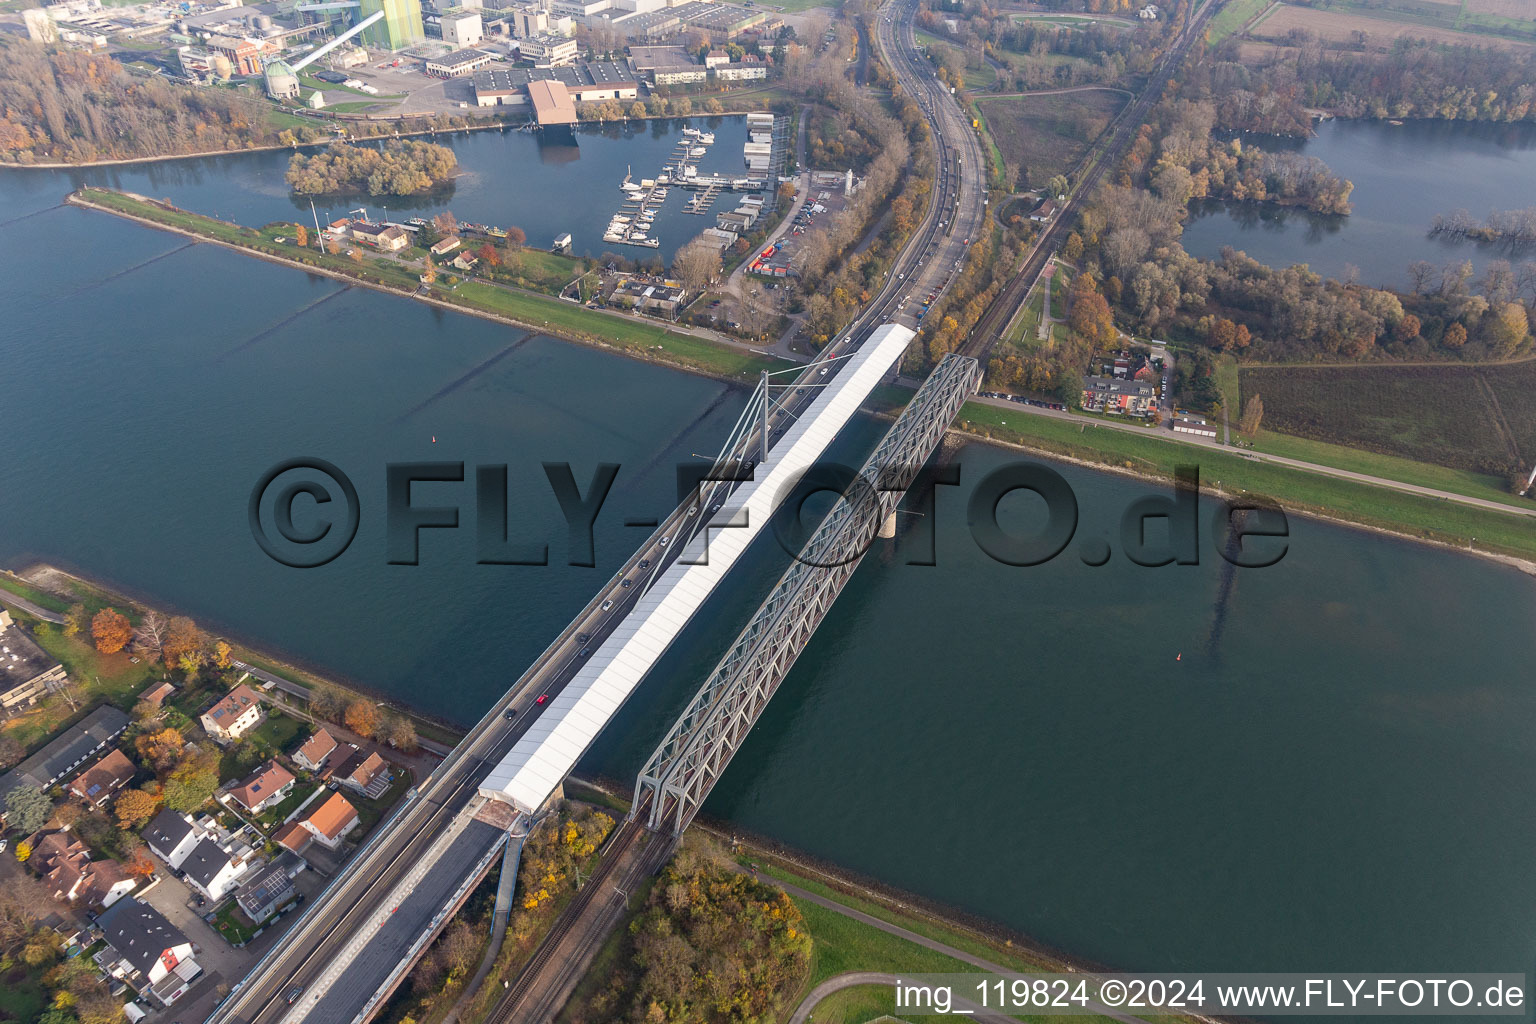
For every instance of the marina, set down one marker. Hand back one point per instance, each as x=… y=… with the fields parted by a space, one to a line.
x=634 y=221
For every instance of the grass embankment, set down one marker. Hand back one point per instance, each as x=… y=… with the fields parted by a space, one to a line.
x=638 y=337
x=117 y=679
x=1297 y=489
x=1234 y=16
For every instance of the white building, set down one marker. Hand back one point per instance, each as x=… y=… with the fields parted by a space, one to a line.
x=462 y=27
x=548 y=50
x=234 y=716
x=171 y=836
x=213 y=870
x=146 y=951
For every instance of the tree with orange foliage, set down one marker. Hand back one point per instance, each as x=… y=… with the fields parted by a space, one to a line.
x=140 y=864
x=111 y=631
x=160 y=750
x=488 y=253
x=362 y=718
x=134 y=807
x=181 y=637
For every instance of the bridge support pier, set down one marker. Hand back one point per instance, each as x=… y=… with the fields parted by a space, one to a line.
x=888 y=526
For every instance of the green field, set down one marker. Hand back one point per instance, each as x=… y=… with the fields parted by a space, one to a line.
x=1297 y=489
x=1049 y=135
x=1234 y=16
x=1479 y=418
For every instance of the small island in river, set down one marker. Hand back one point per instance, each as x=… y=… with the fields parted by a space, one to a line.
x=397 y=169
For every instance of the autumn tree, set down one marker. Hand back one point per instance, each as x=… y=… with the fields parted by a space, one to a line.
x=1091 y=317
x=192 y=783
x=300 y=235
x=1407 y=328
x=181 y=637
x=696 y=265
x=362 y=718
x=1455 y=335
x=399 y=733
x=140 y=864
x=488 y=253
x=222 y=656
x=160 y=750
x=516 y=238
x=111 y=631
x=134 y=807
x=1253 y=415
x=75 y=620
x=1072 y=248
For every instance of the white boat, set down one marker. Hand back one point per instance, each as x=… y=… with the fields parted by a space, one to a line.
x=691 y=132
x=708 y=138
x=697 y=151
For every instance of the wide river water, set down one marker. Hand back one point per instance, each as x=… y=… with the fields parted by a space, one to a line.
x=1333 y=776
x=1404 y=175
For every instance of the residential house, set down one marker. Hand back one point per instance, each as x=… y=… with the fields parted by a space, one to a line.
x=212 y=870
x=146 y=951
x=236 y=714
x=446 y=246
x=331 y=821
x=1044 y=212
x=320 y=745
x=156 y=695
x=270 y=888
x=367 y=774
x=171 y=835
x=100 y=781
x=27 y=672
x=1119 y=397
x=293 y=836
x=266 y=787
x=385 y=237
x=66 y=752
x=64 y=864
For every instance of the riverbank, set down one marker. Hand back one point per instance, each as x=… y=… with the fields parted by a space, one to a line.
x=1499 y=537
x=856 y=923
x=651 y=342
x=55 y=589
x=765 y=97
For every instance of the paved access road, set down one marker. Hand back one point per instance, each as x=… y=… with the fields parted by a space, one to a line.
x=1211 y=444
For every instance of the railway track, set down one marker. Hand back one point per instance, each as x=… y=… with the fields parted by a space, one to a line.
x=989 y=329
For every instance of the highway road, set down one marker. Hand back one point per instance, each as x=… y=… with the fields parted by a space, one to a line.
x=927 y=264
x=357 y=896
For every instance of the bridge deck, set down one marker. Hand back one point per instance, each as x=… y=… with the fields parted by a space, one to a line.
x=548 y=751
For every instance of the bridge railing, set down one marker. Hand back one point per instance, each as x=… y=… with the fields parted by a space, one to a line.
x=695 y=751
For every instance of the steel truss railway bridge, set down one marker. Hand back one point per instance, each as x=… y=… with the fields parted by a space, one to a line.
x=359 y=937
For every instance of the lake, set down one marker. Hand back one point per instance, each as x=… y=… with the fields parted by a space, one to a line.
x=1404 y=175
x=1331 y=777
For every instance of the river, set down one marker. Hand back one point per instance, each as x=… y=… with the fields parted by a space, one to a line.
x=1404 y=175
x=546 y=183
x=1332 y=776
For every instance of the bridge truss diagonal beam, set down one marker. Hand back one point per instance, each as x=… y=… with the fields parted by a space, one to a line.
x=696 y=750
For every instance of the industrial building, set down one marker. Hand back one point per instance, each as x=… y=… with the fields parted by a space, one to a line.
x=457 y=26
x=585 y=82
x=666 y=65
x=458 y=63
x=400 y=27
x=547 y=50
